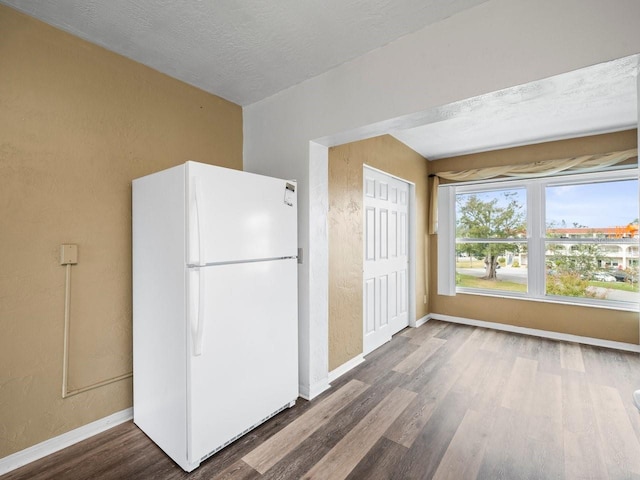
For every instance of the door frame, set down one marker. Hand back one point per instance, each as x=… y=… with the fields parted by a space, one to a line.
x=411 y=238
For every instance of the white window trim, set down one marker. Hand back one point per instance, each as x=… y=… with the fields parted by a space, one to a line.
x=535 y=235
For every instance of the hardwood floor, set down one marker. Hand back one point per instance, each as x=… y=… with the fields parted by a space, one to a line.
x=443 y=401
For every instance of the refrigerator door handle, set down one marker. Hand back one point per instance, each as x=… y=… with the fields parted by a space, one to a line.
x=197 y=222
x=197 y=323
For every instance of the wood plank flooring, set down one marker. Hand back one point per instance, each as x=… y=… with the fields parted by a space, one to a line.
x=442 y=401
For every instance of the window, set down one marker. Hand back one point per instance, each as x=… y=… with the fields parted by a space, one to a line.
x=491 y=233
x=568 y=238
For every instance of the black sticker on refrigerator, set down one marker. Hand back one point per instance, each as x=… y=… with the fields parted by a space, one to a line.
x=289 y=193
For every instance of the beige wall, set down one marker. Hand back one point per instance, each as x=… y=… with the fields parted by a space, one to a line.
x=77 y=124
x=591 y=322
x=345 y=234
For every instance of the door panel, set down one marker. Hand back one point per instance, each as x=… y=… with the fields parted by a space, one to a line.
x=393 y=234
x=370 y=228
x=384 y=300
x=393 y=295
x=385 y=278
x=384 y=234
x=369 y=305
x=403 y=293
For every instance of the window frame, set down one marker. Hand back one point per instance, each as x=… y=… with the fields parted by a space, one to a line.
x=536 y=239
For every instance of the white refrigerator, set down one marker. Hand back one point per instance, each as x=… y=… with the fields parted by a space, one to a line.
x=215 y=331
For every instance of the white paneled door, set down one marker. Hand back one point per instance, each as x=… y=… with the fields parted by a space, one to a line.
x=386 y=261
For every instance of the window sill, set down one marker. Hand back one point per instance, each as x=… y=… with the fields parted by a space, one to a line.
x=618 y=306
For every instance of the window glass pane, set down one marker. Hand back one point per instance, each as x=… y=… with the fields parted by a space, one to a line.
x=594 y=210
x=474 y=270
x=601 y=218
x=494 y=214
x=480 y=218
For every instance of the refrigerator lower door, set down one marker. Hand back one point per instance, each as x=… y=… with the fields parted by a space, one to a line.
x=247 y=366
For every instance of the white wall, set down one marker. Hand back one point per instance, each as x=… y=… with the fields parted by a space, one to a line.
x=498 y=44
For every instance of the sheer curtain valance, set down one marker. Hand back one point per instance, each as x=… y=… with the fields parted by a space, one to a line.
x=545 y=168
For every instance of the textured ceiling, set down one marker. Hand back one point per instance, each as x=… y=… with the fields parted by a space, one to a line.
x=597 y=99
x=241 y=50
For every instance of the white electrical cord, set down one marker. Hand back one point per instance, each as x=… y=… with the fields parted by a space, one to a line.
x=65 y=361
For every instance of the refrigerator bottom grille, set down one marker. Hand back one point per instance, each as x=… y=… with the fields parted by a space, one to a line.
x=257 y=424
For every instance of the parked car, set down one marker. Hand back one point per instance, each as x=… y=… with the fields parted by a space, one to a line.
x=603 y=277
x=620 y=275
x=623 y=275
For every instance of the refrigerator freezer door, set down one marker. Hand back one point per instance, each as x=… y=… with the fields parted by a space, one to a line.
x=248 y=366
x=237 y=216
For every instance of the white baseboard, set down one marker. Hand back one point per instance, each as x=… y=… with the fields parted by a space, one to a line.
x=345 y=367
x=41 y=450
x=630 y=347
x=312 y=391
x=423 y=320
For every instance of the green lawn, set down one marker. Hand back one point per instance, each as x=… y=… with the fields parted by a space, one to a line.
x=624 y=286
x=469 y=281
